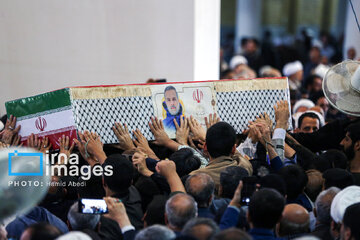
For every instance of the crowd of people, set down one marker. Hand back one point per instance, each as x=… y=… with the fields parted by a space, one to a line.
x=211 y=183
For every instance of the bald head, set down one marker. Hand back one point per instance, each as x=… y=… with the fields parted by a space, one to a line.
x=200 y=228
x=201 y=187
x=295 y=213
x=179 y=209
x=295 y=220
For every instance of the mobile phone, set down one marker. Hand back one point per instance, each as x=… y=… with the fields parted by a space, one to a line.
x=92 y=206
x=249 y=187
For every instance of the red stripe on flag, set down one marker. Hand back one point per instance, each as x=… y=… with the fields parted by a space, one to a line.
x=54 y=138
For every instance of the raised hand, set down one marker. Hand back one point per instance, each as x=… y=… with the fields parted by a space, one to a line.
x=16 y=141
x=4 y=145
x=9 y=131
x=264 y=119
x=139 y=162
x=212 y=120
x=117 y=211
x=196 y=129
x=236 y=200
x=282 y=114
x=122 y=134
x=45 y=145
x=81 y=144
x=157 y=128
x=33 y=142
x=94 y=146
x=65 y=148
x=182 y=131
x=265 y=134
x=254 y=133
x=166 y=168
x=142 y=144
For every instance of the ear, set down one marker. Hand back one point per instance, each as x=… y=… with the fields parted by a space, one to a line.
x=211 y=198
x=220 y=191
x=233 y=150
x=347 y=233
x=68 y=224
x=357 y=146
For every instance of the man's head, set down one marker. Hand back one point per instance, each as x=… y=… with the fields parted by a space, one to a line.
x=294 y=70
x=308 y=122
x=80 y=221
x=315 y=183
x=273 y=181
x=220 y=140
x=179 y=209
x=201 y=187
x=337 y=177
x=121 y=180
x=351 y=53
x=200 y=228
x=186 y=161
x=265 y=208
x=295 y=179
x=351 y=141
x=172 y=100
x=155 y=232
x=229 y=180
x=342 y=200
x=350 y=227
x=323 y=204
x=295 y=220
x=314 y=83
x=232 y=234
x=315 y=54
x=44 y=231
x=155 y=211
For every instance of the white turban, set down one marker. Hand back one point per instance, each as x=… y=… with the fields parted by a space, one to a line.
x=292 y=67
x=237 y=60
x=342 y=200
x=303 y=103
x=321 y=70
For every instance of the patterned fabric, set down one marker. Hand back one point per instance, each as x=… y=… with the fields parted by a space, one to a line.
x=100 y=115
x=237 y=108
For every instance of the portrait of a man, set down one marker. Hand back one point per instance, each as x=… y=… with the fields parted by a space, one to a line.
x=172 y=107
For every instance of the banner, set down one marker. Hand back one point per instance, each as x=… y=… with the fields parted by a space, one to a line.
x=97 y=108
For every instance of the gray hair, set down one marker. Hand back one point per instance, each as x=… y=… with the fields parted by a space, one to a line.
x=80 y=221
x=202 y=189
x=178 y=215
x=323 y=204
x=188 y=229
x=155 y=232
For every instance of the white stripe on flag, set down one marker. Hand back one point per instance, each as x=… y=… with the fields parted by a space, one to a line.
x=47 y=123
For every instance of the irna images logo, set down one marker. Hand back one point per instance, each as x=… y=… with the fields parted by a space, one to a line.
x=34 y=164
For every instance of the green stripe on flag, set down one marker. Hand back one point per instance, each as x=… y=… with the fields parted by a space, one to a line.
x=43 y=102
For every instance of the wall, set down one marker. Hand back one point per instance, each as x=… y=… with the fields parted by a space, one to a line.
x=352 y=32
x=47 y=44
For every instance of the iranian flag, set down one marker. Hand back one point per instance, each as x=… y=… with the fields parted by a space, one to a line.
x=46 y=115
